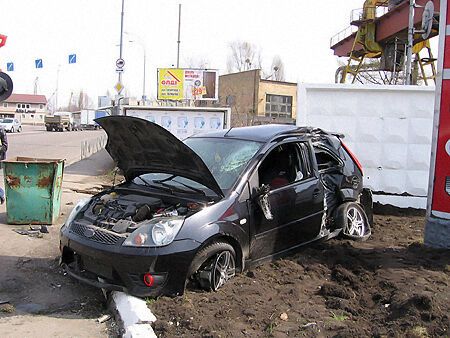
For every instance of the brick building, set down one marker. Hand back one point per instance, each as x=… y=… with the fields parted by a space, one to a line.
x=254 y=100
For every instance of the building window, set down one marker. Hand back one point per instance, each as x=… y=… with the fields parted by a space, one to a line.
x=27 y=106
x=5 y=105
x=41 y=106
x=278 y=105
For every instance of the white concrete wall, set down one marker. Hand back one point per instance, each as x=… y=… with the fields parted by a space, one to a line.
x=389 y=128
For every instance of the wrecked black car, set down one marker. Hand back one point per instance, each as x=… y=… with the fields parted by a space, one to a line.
x=213 y=205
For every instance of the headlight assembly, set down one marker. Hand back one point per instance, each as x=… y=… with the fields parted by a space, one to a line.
x=80 y=205
x=158 y=232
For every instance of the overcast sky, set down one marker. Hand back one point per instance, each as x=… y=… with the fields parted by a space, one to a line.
x=298 y=31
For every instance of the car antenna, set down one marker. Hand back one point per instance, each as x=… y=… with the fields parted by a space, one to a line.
x=227 y=132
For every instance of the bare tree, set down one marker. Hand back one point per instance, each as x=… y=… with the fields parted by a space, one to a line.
x=277 y=69
x=194 y=62
x=243 y=56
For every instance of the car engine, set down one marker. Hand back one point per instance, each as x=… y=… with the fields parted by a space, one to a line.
x=125 y=213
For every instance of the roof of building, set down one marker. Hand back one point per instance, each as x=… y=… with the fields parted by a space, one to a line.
x=27 y=98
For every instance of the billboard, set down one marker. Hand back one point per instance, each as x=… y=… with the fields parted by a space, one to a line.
x=187 y=84
x=182 y=123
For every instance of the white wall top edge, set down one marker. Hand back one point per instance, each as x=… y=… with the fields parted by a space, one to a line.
x=359 y=87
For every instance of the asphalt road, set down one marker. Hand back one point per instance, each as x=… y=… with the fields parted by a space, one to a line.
x=35 y=141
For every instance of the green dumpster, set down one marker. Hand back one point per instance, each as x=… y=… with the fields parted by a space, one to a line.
x=33 y=188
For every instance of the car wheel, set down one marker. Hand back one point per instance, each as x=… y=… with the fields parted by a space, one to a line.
x=353 y=220
x=214 y=265
x=19 y=130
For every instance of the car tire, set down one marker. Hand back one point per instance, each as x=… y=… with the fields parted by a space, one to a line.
x=353 y=221
x=19 y=130
x=214 y=265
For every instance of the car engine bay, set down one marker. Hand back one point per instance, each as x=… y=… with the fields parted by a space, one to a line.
x=124 y=213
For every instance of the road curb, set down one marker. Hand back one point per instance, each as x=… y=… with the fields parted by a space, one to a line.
x=134 y=314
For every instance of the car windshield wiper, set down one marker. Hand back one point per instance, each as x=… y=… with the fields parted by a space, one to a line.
x=165 y=188
x=171 y=178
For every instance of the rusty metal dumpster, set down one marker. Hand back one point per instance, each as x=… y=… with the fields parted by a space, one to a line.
x=33 y=188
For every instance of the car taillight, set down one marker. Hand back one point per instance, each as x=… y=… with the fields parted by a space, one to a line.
x=353 y=157
x=148 y=279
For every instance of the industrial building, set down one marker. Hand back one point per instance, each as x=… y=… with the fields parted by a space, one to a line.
x=255 y=100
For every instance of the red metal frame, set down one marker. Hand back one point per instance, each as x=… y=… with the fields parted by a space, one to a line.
x=439 y=199
x=388 y=26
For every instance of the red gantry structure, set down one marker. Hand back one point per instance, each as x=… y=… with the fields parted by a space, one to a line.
x=380 y=30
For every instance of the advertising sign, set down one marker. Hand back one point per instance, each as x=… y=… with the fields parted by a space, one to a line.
x=187 y=84
x=182 y=123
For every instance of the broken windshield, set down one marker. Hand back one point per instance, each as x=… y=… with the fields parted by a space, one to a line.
x=225 y=158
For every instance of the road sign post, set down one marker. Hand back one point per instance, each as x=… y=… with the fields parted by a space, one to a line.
x=437 y=228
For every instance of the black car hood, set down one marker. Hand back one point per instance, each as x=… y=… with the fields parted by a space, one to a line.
x=139 y=147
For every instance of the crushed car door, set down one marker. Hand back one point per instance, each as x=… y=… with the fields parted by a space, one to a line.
x=295 y=200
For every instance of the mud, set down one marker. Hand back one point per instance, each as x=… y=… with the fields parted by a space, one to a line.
x=388 y=286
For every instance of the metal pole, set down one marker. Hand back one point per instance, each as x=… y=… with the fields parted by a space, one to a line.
x=56 y=91
x=410 y=42
x=179 y=31
x=121 y=39
x=143 y=83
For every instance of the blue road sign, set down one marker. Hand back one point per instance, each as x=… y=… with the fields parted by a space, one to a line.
x=72 y=58
x=10 y=66
x=38 y=63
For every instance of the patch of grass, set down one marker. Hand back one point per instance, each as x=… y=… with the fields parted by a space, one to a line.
x=7 y=308
x=419 y=332
x=149 y=301
x=339 y=318
x=270 y=327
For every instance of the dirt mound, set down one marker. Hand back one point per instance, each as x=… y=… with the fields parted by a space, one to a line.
x=390 y=285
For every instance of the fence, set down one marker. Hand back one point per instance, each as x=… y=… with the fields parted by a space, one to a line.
x=90 y=147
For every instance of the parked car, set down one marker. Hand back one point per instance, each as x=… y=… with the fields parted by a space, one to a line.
x=11 y=125
x=213 y=205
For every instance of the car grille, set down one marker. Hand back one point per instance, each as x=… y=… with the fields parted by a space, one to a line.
x=95 y=234
x=447 y=184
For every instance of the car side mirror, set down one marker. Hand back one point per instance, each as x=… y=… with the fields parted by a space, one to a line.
x=262 y=199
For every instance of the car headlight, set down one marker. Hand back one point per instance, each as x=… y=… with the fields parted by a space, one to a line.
x=80 y=205
x=158 y=232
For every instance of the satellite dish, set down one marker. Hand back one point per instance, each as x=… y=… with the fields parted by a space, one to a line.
x=427 y=19
x=6 y=86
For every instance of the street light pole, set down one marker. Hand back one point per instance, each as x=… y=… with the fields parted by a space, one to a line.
x=121 y=39
x=144 y=49
x=179 y=33
x=410 y=42
x=143 y=82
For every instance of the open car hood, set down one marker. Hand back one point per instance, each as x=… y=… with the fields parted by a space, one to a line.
x=140 y=147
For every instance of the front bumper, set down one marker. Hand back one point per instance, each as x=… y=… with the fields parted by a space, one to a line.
x=115 y=267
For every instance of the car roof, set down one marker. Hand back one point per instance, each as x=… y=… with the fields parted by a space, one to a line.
x=263 y=133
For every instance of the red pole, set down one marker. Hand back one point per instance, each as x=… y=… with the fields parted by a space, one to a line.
x=437 y=229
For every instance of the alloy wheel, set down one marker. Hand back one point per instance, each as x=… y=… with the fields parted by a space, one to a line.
x=223 y=269
x=355 y=222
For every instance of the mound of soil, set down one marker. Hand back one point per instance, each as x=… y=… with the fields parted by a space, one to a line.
x=389 y=286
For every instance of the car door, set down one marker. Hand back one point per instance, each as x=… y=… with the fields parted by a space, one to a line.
x=296 y=201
